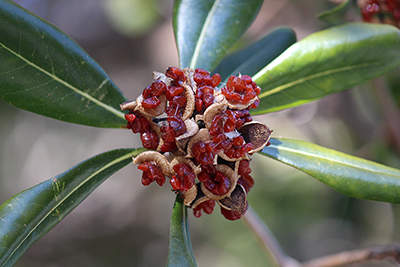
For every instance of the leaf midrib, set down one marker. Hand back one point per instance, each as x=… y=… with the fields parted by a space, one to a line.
x=300 y=152
x=56 y=78
x=128 y=155
x=311 y=77
x=202 y=35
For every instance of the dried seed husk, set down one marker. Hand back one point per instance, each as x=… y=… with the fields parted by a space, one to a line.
x=128 y=105
x=232 y=176
x=200 y=197
x=213 y=110
x=153 y=112
x=225 y=157
x=191 y=129
x=256 y=133
x=189 y=195
x=237 y=200
x=190 y=102
x=240 y=106
x=183 y=160
x=156 y=158
x=201 y=135
x=189 y=73
x=159 y=76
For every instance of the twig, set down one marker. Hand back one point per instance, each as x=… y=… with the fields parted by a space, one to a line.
x=268 y=240
x=356 y=256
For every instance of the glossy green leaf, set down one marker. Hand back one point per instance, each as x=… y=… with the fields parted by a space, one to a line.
x=253 y=58
x=32 y=213
x=351 y=176
x=204 y=30
x=43 y=71
x=327 y=62
x=180 y=247
x=337 y=14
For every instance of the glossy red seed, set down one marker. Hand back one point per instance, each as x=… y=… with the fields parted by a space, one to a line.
x=158 y=87
x=151 y=102
x=238 y=141
x=219 y=184
x=177 y=125
x=167 y=134
x=183 y=179
x=244 y=167
x=151 y=173
x=206 y=206
x=168 y=147
x=149 y=140
x=130 y=117
x=216 y=125
x=216 y=80
x=174 y=91
x=231 y=214
x=176 y=74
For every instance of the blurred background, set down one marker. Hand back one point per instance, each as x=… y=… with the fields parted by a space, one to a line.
x=126 y=224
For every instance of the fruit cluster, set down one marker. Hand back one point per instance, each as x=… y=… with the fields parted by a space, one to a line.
x=209 y=133
x=380 y=11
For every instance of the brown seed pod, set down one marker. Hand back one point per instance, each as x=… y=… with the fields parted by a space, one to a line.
x=190 y=102
x=232 y=176
x=189 y=195
x=237 y=200
x=213 y=110
x=225 y=157
x=153 y=112
x=189 y=73
x=128 y=105
x=191 y=129
x=201 y=135
x=240 y=106
x=159 y=76
x=157 y=158
x=200 y=197
x=256 y=133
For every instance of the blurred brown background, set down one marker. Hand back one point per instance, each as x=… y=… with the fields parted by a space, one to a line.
x=126 y=224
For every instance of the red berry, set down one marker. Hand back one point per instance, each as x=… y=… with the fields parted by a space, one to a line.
x=130 y=117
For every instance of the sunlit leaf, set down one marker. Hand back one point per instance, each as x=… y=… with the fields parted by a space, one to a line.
x=352 y=176
x=43 y=71
x=32 y=213
x=327 y=62
x=204 y=30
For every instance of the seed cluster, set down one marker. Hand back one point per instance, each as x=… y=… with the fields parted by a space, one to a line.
x=381 y=11
x=207 y=131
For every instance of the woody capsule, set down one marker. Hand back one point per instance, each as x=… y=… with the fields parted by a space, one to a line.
x=207 y=131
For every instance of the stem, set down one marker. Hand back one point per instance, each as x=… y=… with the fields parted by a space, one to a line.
x=356 y=256
x=268 y=240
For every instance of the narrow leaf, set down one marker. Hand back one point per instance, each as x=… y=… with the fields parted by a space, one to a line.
x=43 y=71
x=180 y=247
x=253 y=58
x=351 y=176
x=327 y=62
x=335 y=15
x=29 y=215
x=204 y=30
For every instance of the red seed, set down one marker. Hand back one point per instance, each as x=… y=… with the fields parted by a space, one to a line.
x=149 y=140
x=130 y=117
x=151 y=102
x=231 y=214
x=216 y=80
x=206 y=206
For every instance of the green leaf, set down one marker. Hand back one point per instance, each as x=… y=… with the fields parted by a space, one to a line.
x=327 y=62
x=43 y=71
x=253 y=58
x=335 y=15
x=29 y=215
x=351 y=176
x=180 y=247
x=204 y=30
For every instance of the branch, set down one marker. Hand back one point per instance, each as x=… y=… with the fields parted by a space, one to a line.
x=268 y=240
x=357 y=256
